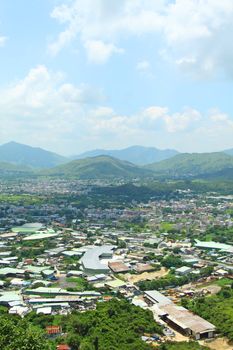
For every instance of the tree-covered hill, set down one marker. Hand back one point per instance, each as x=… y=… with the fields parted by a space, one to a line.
x=193 y=164
x=102 y=167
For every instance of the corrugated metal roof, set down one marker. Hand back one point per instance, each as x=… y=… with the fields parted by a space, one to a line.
x=91 y=259
x=158 y=297
x=187 y=320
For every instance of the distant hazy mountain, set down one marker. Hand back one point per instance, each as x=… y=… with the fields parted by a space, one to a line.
x=102 y=167
x=20 y=154
x=229 y=151
x=193 y=164
x=136 y=154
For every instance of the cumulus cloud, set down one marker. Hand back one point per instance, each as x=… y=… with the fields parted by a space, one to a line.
x=154 y=118
x=187 y=130
x=99 y=52
x=44 y=109
x=196 y=34
x=104 y=21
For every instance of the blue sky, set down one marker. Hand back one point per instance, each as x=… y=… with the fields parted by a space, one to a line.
x=83 y=74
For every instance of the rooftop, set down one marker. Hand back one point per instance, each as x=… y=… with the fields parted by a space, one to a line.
x=118 y=266
x=158 y=297
x=91 y=259
x=187 y=320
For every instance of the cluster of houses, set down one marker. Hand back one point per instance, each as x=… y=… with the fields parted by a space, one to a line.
x=83 y=267
x=73 y=258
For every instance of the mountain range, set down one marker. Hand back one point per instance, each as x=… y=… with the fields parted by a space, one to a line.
x=34 y=157
x=181 y=165
x=193 y=164
x=22 y=159
x=138 y=155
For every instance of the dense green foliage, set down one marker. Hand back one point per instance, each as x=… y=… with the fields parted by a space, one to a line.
x=219 y=234
x=21 y=199
x=18 y=334
x=218 y=309
x=172 y=261
x=114 y=325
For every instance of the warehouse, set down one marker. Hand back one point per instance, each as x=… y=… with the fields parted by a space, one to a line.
x=186 y=322
x=91 y=260
x=156 y=298
x=213 y=245
x=178 y=317
x=182 y=271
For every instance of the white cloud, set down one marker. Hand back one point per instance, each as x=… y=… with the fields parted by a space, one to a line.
x=152 y=119
x=182 y=121
x=188 y=130
x=99 y=52
x=43 y=109
x=196 y=33
x=103 y=20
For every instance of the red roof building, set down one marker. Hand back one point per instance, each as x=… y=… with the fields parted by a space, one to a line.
x=63 y=347
x=118 y=266
x=50 y=330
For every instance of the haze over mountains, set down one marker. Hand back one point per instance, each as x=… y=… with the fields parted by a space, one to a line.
x=229 y=151
x=140 y=161
x=35 y=157
x=135 y=154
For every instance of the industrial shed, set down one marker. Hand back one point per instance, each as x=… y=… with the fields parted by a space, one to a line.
x=91 y=260
x=186 y=322
x=156 y=298
x=178 y=317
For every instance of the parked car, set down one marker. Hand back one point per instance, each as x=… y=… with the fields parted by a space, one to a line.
x=168 y=332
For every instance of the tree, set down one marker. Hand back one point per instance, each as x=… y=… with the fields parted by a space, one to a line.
x=18 y=334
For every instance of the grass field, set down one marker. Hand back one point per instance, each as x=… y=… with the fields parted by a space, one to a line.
x=224 y=282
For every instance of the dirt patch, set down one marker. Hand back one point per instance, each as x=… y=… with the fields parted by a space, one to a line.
x=63 y=283
x=211 y=288
x=146 y=276
x=218 y=344
x=178 y=337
